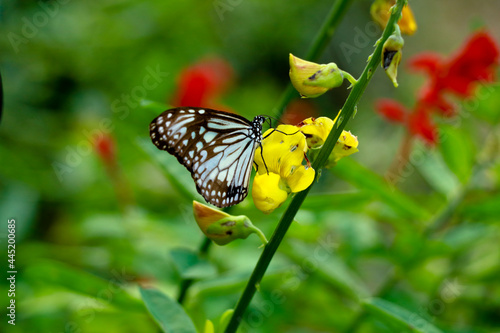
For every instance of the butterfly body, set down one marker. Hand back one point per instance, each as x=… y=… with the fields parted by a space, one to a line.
x=216 y=147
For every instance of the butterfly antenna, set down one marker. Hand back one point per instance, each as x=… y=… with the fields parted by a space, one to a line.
x=275 y=119
x=277 y=130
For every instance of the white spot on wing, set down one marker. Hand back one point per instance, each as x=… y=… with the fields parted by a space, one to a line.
x=209 y=136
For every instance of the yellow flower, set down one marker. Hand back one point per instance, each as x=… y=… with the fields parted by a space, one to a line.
x=283 y=153
x=221 y=227
x=380 y=12
x=345 y=146
x=311 y=79
x=317 y=130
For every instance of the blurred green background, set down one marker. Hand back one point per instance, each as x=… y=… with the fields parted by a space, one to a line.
x=88 y=234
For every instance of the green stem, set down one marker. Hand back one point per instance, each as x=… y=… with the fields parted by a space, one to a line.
x=319 y=44
x=287 y=218
x=186 y=283
x=349 y=78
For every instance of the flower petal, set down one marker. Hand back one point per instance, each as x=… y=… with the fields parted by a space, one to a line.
x=316 y=130
x=300 y=178
x=206 y=216
x=282 y=148
x=345 y=146
x=391 y=110
x=267 y=192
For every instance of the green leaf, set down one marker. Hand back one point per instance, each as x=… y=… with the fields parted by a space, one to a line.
x=400 y=319
x=458 y=151
x=230 y=283
x=190 y=265
x=154 y=107
x=168 y=313
x=329 y=267
x=486 y=105
x=438 y=175
x=483 y=208
x=224 y=320
x=77 y=280
x=19 y=202
x=341 y=201
x=363 y=178
x=465 y=236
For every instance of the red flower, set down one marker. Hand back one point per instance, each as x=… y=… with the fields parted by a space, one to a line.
x=391 y=110
x=459 y=75
x=475 y=62
x=105 y=148
x=420 y=124
x=202 y=83
x=428 y=62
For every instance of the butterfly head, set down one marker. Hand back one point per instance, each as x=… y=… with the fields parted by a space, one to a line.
x=259 y=120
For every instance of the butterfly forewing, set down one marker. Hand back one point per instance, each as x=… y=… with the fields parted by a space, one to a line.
x=216 y=147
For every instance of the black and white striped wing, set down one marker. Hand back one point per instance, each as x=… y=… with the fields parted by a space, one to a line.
x=216 y=147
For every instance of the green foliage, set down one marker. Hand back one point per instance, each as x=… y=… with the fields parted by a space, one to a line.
x=398 y=318
x=167 y=312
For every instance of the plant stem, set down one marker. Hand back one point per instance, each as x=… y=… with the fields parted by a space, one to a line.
x=186 y=283
x=403 y=156
x=287 y=218
x=319 y=44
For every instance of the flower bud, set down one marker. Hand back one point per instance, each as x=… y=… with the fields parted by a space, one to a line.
x=221 y=227
x=392 y=53
x=311 y=79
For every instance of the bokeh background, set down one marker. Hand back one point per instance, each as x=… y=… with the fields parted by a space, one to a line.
x=96 y=215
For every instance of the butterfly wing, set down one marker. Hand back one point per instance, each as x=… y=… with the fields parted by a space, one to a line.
x=216 y=147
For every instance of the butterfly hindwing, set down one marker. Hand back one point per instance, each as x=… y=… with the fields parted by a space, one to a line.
x=216 y=147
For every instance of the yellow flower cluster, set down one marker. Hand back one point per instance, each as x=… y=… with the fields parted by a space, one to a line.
x=280 y=163
x=283 y=152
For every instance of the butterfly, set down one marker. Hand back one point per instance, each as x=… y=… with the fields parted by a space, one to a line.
x=217 y=147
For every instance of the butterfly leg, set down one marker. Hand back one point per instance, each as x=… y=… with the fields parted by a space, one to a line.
x=307 y=161
x=262 y=155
